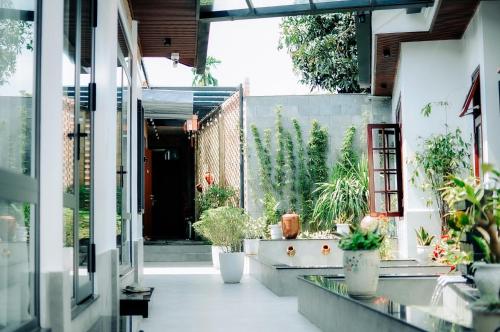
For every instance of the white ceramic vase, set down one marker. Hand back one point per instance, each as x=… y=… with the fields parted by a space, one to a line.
x=251 y=246
x=424 y=254
x=231 y=266
x=361 y=269
x=487 y=280
x=343 y=229
x=276 y=231
x=216 y=250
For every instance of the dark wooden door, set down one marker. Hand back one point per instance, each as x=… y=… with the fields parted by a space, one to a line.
x=148 y=194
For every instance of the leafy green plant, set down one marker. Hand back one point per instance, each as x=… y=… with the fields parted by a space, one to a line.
x=223 y=226
x=279 y=167
x=264 y=156
x=344 y=198
x=423 y=237
x=480 y=215
x=206 y=78
x=215 y=196
x=323 y=50
x=442 y=156
x=303 y=177
x=255 y=228
x=291 y=172
x=317 y=151
x=360 y=239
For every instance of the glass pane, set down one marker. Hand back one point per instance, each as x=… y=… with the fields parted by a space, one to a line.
x=17 y=80
x=215 y=5
x=380 y=202
x=377 y=138
x=379 y=180
x=16 y=263
x=392 y=181
x=390 y=137
x=68 y=252
x=393 y=202
x=273 y=3
x=378 y=159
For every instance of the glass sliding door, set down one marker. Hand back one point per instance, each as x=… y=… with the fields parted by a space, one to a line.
x=78 y=145
x=19 y=84
x=123 y=79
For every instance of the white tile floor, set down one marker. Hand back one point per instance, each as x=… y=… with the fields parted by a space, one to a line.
x=191 y=297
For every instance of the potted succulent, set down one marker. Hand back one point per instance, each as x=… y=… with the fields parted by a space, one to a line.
x=225 y=227
x=254 y=230
x=475 y=211
x=361 y=261
x=424 y=245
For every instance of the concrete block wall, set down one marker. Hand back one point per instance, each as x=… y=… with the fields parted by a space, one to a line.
x=336 y=112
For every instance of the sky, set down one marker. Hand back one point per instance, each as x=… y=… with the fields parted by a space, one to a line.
x=247 y=49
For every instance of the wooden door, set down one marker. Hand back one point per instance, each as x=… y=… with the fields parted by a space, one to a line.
x=148 y=194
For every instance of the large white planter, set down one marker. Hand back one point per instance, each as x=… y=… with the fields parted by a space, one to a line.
x=487 y=280
x=485 y=321
x=231 y=266
x=361 y=269
x=424 y=254
x=216 y=250
x=251 y=246
x=276 y=231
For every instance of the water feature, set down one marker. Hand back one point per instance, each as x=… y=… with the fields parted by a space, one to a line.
x=442 y=282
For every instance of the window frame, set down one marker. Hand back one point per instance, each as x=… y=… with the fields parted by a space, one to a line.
x=385 y=170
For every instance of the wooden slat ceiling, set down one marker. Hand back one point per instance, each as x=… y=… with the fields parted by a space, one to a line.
x=450 y=23
x=160 y=19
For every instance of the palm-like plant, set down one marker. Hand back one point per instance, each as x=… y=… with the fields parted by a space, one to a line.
x=206 y=79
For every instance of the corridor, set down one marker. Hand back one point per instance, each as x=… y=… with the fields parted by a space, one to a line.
x=191 y=297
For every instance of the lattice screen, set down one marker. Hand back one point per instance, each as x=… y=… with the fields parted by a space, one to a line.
x=218 y=146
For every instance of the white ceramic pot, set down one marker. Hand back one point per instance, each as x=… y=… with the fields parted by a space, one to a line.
x=231 y=266
x=251 y=246
x=361 y=269
x=424 y=254
x=276 y=231
x=485 y=321
x=343 y=229
x=487 y=280
x=216 y=250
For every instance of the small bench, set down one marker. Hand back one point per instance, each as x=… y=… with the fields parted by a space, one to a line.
x=135 y=304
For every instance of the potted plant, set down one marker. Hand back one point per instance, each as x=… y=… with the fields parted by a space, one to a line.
x=424 y=245
x=361 y=261
x=254 y=230
x=212 y=197
x=276 y=231
x=225 y=227
x=475 y=211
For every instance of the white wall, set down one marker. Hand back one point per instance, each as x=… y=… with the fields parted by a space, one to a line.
x=441 y=71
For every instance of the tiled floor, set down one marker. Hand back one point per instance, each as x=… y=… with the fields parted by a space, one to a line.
x=191 y=297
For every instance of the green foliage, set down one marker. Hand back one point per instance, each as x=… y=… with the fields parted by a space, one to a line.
x=223 y=226
x=291 y=172
x=441 y=156
x=317 y=151
x=206 y=79
x=360 y=239
x=279 y=168
x=215 y=196
x=344 y=198
x=303 y=178
x=255 y=228
x=323 y=50
x=264 y=156
x=423 y=237
x=480 y=215
x=271 y=211
x=15 y=36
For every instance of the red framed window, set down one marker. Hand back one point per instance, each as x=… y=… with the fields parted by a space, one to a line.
x=472 y=106
x=385 y=176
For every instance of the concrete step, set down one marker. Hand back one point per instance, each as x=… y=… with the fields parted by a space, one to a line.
x=178 y=253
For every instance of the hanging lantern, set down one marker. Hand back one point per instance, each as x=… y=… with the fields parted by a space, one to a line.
x=209 y=178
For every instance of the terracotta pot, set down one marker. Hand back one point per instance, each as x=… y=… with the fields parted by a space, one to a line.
x=290 y=224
